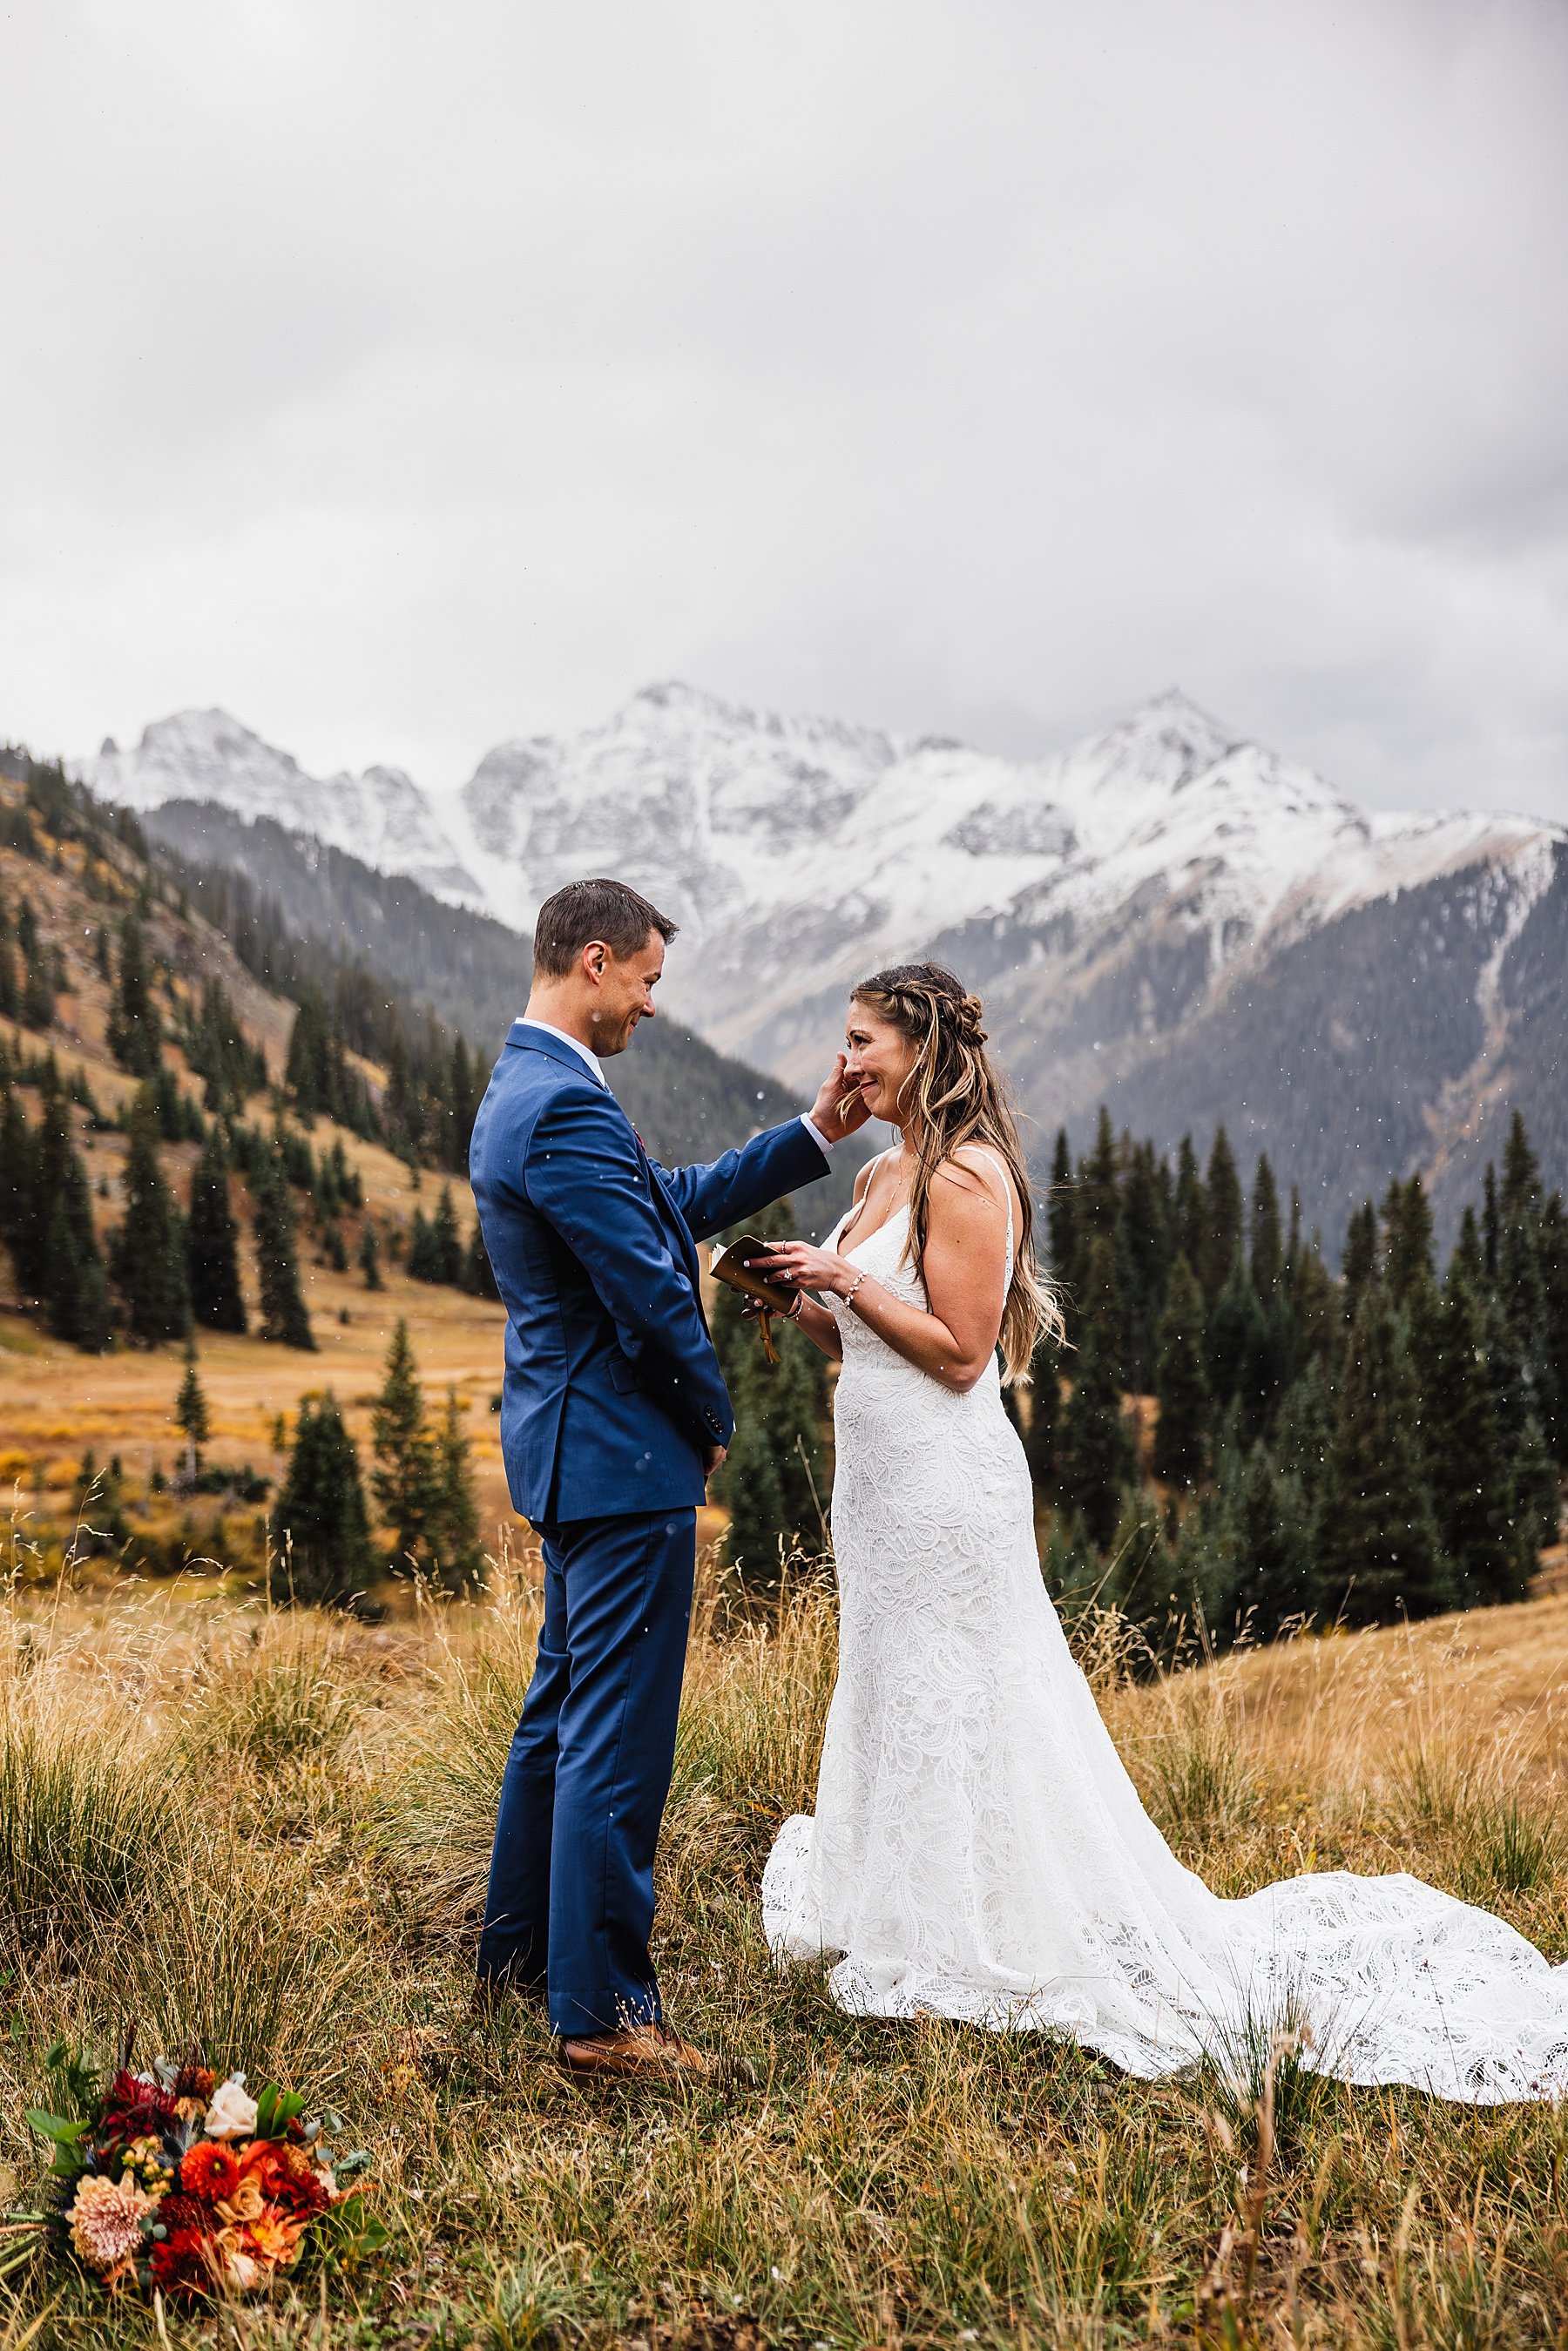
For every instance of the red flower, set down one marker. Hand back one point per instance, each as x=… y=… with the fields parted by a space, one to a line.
x=195 y=2082
x=185 y=2262
x=134 y=2109
x=211 y=2170
x=295 y=2183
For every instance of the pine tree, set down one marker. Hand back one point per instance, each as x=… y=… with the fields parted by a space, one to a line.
x=464 y=1092
x=1553 y=1235
x=149 y=1256
x=72 y=1283
x=1097 y=1207
x=20 y=1226
x=1377 y=1547
x=1536 y=1512
x=478 y=1276
x=283 y=1316
x=1060 y=1213
x=135 y=1031
x=1191 y=1233
x=319 y=1533
x=446 y=1241
x=1266 y=1247
x=1100 y=1458
x=454 y=1518
x=1314 y=1304
x=191 y=1415
x=1521 y=1194
x=1407 y=1237
x=1144 y=1235
x=1467 y=1467
x=424 y=1249
x=1467 y=1260
x=1305 y=1434
x=1522 y=1294
x=1238 y=1337
x=369 y=1254
x=312 y=1072
x=1042 y=1438
x=37 y=992
x=407 y=1481
x=10 y=994
x=1181 y=1383
x=1274 y=1584
x=1360 y=1264
x=1492 y=1224
x=212 y=1240
x=1222 y=1237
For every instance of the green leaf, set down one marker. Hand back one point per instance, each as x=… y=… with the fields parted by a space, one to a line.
x=352 y=2228
x=54 y=2127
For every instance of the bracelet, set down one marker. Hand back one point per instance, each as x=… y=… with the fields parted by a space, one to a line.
x=794 y=1313
x=850 y=1293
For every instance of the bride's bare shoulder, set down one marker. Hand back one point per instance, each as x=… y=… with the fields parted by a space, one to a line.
x=976 y=1170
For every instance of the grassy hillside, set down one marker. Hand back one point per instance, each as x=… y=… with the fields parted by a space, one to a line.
x=300 y=1894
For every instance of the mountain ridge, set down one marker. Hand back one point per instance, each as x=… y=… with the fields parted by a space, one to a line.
x=1127 y=904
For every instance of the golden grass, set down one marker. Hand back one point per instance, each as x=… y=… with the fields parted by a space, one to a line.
x=270 y=1831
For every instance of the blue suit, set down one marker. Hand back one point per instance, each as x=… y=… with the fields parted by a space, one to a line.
x=612 y=1397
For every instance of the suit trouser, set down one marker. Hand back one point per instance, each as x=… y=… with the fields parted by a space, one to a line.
x=571 y=1898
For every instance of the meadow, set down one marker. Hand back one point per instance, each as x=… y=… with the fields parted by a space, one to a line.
x=268 y=1832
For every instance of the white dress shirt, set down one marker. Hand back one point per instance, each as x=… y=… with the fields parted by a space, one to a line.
x=587 y=1054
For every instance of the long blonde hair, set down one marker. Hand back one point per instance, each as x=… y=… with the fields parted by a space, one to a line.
x=956 y=1097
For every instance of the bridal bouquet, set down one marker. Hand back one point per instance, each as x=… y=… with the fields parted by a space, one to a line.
x=174 y=2181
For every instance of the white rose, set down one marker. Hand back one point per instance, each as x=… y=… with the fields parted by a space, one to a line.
x=231 y=2115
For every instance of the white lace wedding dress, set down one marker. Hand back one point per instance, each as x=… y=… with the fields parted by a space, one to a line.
x=980 y=1851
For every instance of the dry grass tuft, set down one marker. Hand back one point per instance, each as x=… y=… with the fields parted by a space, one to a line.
x=269 y=1832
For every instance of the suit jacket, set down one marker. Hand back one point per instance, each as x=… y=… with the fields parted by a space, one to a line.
x=612 y=1390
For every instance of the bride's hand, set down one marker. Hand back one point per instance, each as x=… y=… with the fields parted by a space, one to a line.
x=807 y=1268
x=838 y=1109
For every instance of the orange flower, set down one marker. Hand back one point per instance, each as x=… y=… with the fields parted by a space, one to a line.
x=211 y=2170
x=262 y=2159
x=276 y=2240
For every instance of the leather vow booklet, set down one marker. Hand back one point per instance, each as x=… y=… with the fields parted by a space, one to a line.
x=731 y=1266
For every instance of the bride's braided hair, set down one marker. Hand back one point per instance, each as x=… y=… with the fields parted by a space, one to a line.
x=957 y=1098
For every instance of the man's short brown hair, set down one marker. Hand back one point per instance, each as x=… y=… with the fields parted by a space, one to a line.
x=585 y=911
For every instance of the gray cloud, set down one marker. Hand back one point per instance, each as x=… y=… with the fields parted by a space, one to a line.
x=405 y=379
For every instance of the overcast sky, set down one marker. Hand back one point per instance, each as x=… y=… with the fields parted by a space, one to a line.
x=403 y=377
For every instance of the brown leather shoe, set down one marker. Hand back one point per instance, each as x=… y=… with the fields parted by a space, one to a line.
x=649 y=2052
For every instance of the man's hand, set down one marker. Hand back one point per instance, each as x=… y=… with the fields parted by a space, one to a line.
x=838 y=1109
x=713 y=1459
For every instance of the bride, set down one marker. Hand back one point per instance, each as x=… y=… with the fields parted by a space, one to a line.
x=978 y=1849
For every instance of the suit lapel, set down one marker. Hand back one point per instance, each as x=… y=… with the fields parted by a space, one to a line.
x=526 y=1037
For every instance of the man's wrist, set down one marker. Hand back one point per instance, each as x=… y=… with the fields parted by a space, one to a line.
x=815 y=1132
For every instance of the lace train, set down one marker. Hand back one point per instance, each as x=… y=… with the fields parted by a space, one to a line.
x=979 y=1850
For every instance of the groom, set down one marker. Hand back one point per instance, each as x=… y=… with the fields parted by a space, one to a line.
x=613 y=1415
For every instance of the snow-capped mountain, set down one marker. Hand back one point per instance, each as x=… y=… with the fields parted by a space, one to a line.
x=381 y=816
x=801 y=853
x=1165 y=916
